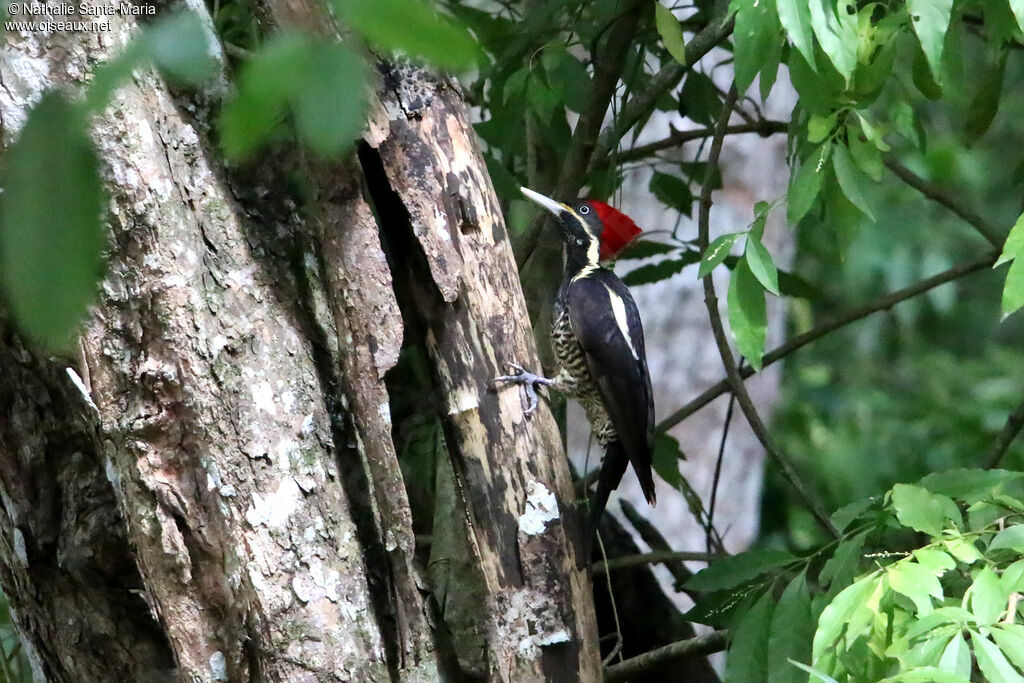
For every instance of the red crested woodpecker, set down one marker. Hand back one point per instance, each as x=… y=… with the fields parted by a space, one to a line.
x=599 y=345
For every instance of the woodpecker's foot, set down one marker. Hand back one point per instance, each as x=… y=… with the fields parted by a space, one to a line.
x=529 y=382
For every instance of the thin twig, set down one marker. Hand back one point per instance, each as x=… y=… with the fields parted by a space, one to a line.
x=1010 y=430
x=764 y=128
x=683 y=649
x=938 y=195
x=654 y=557
x=653 y=538
x=617 y=650
x=709 y=528
x=884 y=303
x=731 y=371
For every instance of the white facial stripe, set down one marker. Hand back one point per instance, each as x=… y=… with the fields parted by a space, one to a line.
x=619 y=311
x=586 y=271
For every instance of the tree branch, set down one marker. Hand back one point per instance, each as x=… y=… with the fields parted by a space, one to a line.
x=711 y=301
x=653 y=538
x=607 y=69
x=1010 y=430
x=801 y=340
x=667 y=78
x=938 y=195
x=764 y=128
x=655 y=557
x=683 y=649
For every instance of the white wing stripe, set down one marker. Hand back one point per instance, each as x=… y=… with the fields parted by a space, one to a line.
x=619 y=310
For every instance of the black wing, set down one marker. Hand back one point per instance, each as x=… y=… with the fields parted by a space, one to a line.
x=606 y=323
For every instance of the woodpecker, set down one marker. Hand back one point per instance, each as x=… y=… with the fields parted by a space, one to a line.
x=598 y=342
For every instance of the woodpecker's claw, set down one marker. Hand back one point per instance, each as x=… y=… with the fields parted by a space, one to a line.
x=529 y=382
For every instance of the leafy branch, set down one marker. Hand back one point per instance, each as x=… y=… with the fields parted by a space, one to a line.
x=711 y=301
x=796 y=343
x=764 y=128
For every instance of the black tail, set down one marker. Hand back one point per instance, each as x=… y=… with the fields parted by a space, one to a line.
x=612 y=468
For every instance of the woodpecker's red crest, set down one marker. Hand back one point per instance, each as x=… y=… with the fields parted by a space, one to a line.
x=619 y=229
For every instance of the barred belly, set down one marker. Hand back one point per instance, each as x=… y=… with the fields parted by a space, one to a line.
x=574 y=377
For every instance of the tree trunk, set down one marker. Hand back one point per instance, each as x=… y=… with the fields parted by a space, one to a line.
x=220 y=498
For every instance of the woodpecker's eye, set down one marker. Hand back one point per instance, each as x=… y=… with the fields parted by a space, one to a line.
x=584 y=209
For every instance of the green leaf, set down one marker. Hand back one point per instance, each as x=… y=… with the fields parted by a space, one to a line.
x=51 y=234
x=969 y=485
x=917 y=582
x=1012 y=577
x=935 y=560
x=793 y=285
x=842 y=517
x=672 y=191
x=748 y=316
x=924 y=674
x=643 y=248
x=844 y=564
x=851 y=181
x=991 y=661
x=930 y=19
x=805 y=185
x=700 y=99
x=795 y=17
x=662 y=270
x=872 y=134
x=866 y=156
x=1014 y=242
x=926 y=84
x=412 y=27
x=985 y=103
x=922 y=510
x=836 y=30
x=108 y=76
x=1012 y=538
x=266 y=84
x=956 y=658
x=736 y=570
x=988 y=599
x=1013 y=289
x=1017 y=6
x=716 y=252
x=757 y=33
x=791 y=632
x=1010 y=639
x=330 y=107
x=670 y=31
x=762 y=266
x=962 y=549
x=748 y=650
x=666 y=457
x=568 y=76
x=836 y=615
x=543 y=99
x=815 y=674
x=182 y=48
x=927 y=651
x=820 y=127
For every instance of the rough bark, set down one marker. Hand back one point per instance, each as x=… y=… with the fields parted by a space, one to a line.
x=219 y=498
x=207 y=370
x=446 y=235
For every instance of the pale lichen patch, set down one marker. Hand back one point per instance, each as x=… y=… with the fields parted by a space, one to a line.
x=275 y=509
x=541 y=508
x=263 y=397
x=218 y=666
